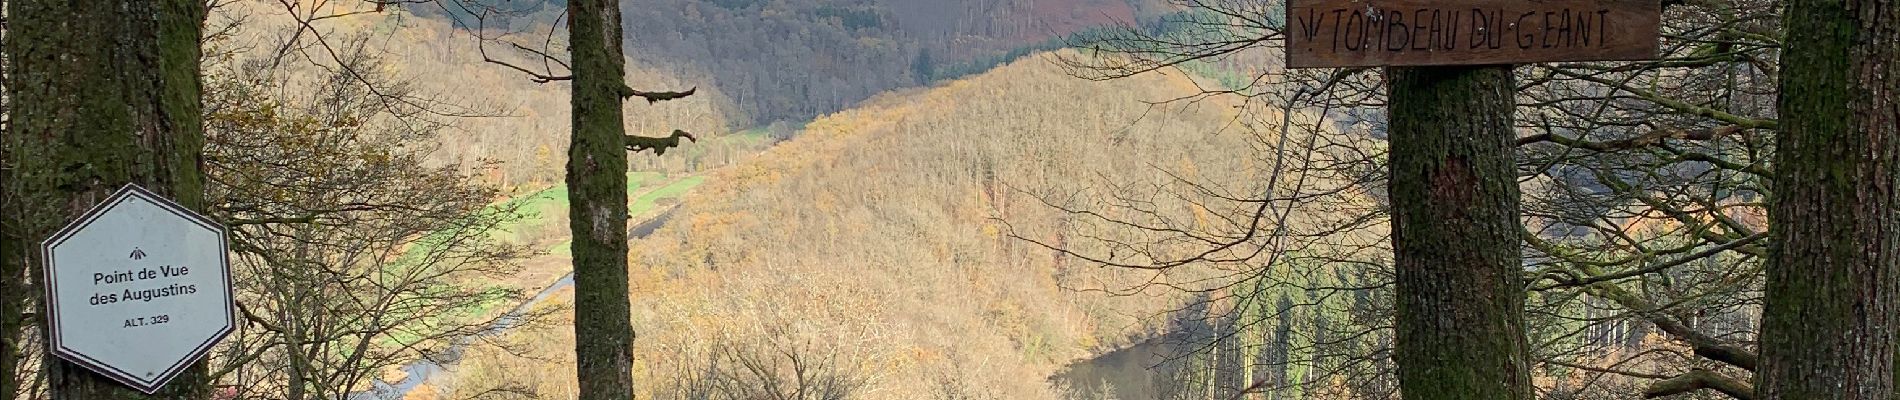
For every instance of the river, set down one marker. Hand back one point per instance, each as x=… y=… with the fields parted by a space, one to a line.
x=422 y=370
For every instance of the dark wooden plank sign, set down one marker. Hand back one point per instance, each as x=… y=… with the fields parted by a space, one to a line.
x=1369 y=33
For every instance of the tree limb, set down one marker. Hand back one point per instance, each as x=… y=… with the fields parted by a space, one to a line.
x=1698 y=379
x=1631 y=143
x=1704 y=345
x=657 y=144
x=655 y=97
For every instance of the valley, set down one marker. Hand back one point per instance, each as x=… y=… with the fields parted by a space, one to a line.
x=946 y=200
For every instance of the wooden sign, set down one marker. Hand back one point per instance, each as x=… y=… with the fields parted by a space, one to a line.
x=1369 y=33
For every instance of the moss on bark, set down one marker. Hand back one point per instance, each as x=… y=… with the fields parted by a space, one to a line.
x=104 y=93
x=597 y=195
x=1455 y=232
x=1830 y=313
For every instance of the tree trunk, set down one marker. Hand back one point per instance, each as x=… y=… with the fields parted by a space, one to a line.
x=597 y=198
x=1830 y=311
x=102 y=93
x=13 y=280
x=1455 y=232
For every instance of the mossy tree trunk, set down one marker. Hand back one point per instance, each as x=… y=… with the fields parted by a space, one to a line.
x=597 y=195
x=1455 y=232
x=13 y=279
x=1832 y=302
x=102 y=93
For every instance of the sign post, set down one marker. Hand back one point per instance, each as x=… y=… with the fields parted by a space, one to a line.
x=1450 y=105
x=137 y=289
x=1372 y=33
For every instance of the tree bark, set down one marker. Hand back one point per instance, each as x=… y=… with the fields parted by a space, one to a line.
x=13 y=280
x=1830 y=310
x=597 y=196
x=102 y=93
x=1455 y=233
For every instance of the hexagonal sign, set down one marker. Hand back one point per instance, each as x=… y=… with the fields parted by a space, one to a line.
x=139 y=288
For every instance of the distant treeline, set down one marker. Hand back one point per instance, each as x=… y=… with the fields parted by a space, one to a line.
x=792 y=60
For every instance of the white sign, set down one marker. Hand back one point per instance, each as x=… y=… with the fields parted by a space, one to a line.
x=139 y=289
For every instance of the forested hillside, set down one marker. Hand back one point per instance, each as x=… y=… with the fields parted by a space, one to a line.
x=498 y=115
x=990 y=153
x=792 y=60
x=948 y=200
x=877 y=243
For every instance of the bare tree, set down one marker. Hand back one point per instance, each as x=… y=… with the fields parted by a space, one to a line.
x=775 y=367
x=352 y=256
x=1643 y=188
x=597 y=156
